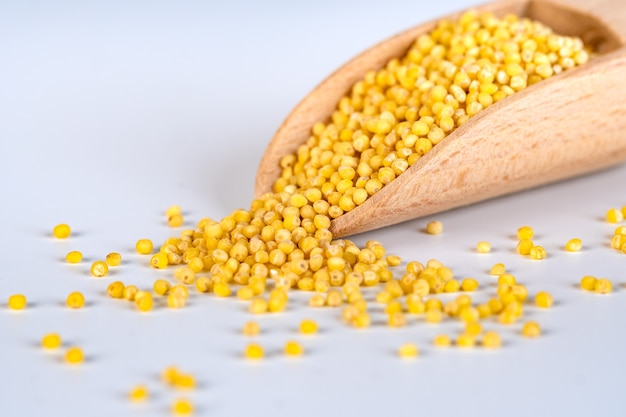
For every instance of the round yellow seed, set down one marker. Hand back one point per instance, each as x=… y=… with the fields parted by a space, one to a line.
x=221 y=289
x=143 y=301
x=170 y=374
x=175 y=220
x=497 y=269
x=196 y=264
x=317 y=300
x=531 y=329
x=603 y=286
x=254 y=351
x=144 y=246
x=130 y=292
x=483 y=310
x=393 y=260
x=614 y=215
x=308 y=326
x=483 y=247
x=61 y=231
x=74 y=355
x=473 y=327
x=161 y=287
x=138 y=393
x=451 y=286
x=113 y=259
x=75 y=300
x=524 y=246
x=361 y=321
x=508 y=317
x=74 y=257
x=466 y=340
x=185 y=275
x=159 y=260
x=525 y=233
x=434 y=316
x=408 y=350
x=116 y=289
x=293 y=348
x=17 y=302
x=492 y=340
x=574 y=245
x=334 y=298
x=171 y=210
x=506 y=279
x=51 y=341
x=393 y=306
x=258 y=306
x=469 y=314
x=183 y=380
x=99 y=269
x=537 y=253
x=251 y=328
x=588 y=283
x=182 y=407
x=543 y=299
x=396 y=319
x=618 y=241
x=434 y=227
x=176 y=300
x=434 y=304
x=442 y=340
x=469 y=284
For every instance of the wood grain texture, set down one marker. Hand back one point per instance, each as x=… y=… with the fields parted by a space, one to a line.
x=568 y=125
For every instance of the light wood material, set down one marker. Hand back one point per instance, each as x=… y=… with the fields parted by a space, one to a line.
x=568 y=125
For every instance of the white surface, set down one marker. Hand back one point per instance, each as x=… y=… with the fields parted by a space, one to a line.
x=112 y=111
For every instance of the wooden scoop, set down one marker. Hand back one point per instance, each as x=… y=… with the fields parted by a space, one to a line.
x=570 y=124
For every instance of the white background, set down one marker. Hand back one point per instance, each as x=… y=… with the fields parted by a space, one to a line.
x=112 y=111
